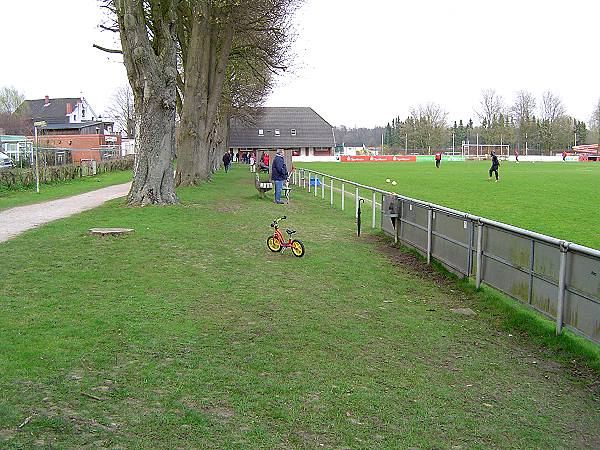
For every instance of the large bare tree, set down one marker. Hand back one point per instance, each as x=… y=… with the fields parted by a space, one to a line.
x=122 y=111
x=147 y=30
x=552 y=107
x=524 y=106
x=491 y=105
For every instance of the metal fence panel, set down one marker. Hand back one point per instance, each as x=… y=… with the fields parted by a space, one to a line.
x=505 y=278
x=547 y=261
x=414 y=226
x=450 y=242
x=508 y=246
x=584 y=273
x=581 y=314
x=544 y=297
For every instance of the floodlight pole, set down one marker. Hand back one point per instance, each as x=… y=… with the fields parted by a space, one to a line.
x=526 y=144
x=406 y=143
x=453 y=143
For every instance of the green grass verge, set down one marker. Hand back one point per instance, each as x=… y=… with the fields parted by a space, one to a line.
x=190 y=333
x=558 y=199
x=10 y=199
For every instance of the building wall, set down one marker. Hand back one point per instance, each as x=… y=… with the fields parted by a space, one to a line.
x=76 y=141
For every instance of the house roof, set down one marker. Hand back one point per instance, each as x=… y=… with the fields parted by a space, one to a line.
x=74 y=126
x=55 y=111
x=311 y=129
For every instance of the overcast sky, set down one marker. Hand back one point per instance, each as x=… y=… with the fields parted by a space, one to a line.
x=358 y=62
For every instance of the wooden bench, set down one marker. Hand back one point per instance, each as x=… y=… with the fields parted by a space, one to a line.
x=262 y=186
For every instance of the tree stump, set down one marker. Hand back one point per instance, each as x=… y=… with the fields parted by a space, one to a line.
x=110 y=231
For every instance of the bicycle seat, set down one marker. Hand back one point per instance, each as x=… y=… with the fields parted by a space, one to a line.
x=290 y=232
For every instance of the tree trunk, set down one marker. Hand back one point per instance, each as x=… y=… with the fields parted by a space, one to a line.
x=204 y=77
x=155 y=149
x=151 y=63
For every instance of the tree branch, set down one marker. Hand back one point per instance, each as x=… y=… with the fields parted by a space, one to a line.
x=108 y=50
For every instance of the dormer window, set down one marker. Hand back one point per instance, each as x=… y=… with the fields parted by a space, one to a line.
x=293 y=132
x=276 y=132
x=261 y=132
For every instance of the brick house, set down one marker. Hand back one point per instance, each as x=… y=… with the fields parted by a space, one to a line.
x=72 y=124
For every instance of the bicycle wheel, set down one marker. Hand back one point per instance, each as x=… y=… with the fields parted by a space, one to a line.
x=297 y=248
x=274 y=244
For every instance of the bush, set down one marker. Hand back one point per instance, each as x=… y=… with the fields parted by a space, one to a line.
x=15 y=179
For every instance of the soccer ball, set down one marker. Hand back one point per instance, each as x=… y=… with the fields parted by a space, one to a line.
x=394 y=183
x=387 y=180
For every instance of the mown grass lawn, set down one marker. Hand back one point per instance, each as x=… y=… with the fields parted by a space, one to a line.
x=558 y=199
x=191 y=334
x=10 y=199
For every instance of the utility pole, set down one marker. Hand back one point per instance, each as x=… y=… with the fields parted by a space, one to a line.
x=406 y=143
x=453 y=142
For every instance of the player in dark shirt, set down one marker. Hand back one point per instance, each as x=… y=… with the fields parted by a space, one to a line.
x=495 y=165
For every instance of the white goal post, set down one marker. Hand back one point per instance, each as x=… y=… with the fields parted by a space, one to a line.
x=485 y=149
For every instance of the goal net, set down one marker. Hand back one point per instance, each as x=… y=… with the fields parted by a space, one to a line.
x=485 y=149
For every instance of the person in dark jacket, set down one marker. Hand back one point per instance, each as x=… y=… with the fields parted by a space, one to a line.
x=279 y=174
x=227 y=161
x=495 y=165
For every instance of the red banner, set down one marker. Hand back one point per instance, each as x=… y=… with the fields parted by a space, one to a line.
x=379 y=158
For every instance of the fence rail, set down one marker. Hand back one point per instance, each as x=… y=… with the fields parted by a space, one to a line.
x=557 y=278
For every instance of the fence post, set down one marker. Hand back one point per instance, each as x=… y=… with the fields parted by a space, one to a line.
x=304 y=178
x=373 y=203
x=309 y=181
x=562 y=278
x=323 y=187
x=429 y=233
x=316 y=184
x=397 y=223
x=343 y=196
x=531 y=271
x=356 y=197
x=331 y=192
x=479 y=254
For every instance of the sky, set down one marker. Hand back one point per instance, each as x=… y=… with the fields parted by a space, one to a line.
x=356 y=63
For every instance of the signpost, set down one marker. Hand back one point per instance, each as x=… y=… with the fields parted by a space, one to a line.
x=37 y=125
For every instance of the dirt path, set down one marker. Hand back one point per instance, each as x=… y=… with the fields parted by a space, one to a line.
x=16 y=220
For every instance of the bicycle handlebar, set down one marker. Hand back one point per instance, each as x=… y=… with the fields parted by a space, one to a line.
x=276 y=221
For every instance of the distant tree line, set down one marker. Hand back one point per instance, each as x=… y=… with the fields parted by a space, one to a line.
x=544 y=129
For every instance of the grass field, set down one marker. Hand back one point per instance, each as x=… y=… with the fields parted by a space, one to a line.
x=10 y=199
x=189 y=333
x=557 y=199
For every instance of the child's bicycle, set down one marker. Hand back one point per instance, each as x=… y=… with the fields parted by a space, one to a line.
x=277 y=243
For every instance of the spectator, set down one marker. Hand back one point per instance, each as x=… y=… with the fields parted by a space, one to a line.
x=227 y=161
x=279 y=174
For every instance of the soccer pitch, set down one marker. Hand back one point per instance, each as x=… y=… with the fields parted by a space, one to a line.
x=557 y=199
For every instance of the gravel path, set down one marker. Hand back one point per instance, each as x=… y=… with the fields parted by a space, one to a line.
x=16 y=220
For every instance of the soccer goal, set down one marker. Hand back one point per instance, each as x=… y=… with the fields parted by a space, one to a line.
x=478 y=150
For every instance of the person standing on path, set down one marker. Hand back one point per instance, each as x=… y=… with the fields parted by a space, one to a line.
x=279 y=174
x=495 y=165
x=438 y=159
x=227 y=161
x=252 y=163
x=516 y=155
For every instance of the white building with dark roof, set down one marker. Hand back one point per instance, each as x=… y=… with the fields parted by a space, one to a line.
x=299 y=129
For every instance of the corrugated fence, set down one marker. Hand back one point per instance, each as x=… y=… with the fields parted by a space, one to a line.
x=558 y=279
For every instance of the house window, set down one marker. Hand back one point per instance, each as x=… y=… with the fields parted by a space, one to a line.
x=83 y=112
x=276 y=132
x=293 y=132
x=261 y=132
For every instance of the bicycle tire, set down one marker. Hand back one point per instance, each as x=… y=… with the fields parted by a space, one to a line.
x=298 y=248
x=273 y=244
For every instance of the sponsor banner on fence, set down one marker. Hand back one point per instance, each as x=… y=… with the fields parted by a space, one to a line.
x=378 y=158
x=430 y=158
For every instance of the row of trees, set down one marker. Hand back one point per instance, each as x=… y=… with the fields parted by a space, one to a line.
x=545 y=129
x=202 y=62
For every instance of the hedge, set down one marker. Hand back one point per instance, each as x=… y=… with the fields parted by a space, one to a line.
x=14 y=179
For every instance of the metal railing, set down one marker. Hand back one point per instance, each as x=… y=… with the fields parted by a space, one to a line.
x=557 y=278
